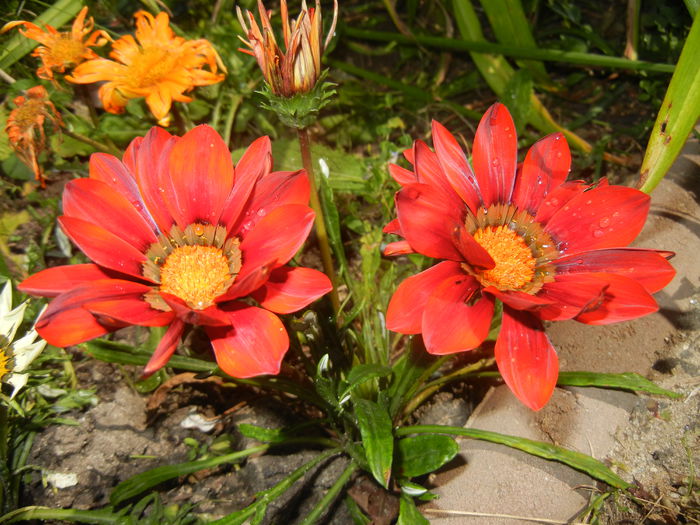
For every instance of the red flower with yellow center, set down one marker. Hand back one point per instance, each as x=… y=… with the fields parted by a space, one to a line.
x=298 y=67
x=61 y=50
x=25 y=127
x=180 y=237
x=549 y=250
x=160 y=67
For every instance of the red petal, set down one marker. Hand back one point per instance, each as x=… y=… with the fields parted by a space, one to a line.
x=526 y=359
x=518 y=300
x=255 y=163
x=624 y=299
x=70 y=327
x=648 y=267
x=277 y=189
x=290 y=289
x=201 y=170
x=276 y=237
x=398 y=248
x=54 y=281
x=604 y=217
x=165 y=349
x=406 y=307
x=248 y=283
x=472 y=251
x=558 y=198
x=147 y=160
x=94 y=201
x=570 y=293
x=210 y=316
x=253 y=345
x=105 y=248
x=429 y=171
x=402 y=175
x=66 y=321
x=455 y=166
x=117 y=176
x=546 y=166
x=428 y=222
x=495 y=155
x=393 y=227
x=408 y=155
x=451 y=325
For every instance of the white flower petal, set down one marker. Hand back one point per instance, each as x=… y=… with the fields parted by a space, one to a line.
x=17 y=381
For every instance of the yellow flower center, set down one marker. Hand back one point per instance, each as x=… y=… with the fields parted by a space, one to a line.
x=151 y=66
x=65 y=50
x=4 y=362
x=515 y=264
x=196 y=274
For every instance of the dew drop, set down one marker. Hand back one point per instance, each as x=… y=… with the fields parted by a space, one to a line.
x=589 y=202
x=507 y=128
x=579 y=261
x=261 y=212
x=598 y=234
x=616 y=214
x=494 y=162
x=604 y=222
x=566 y=208
x=554 y=201
x=162 y=190
x=558 y=152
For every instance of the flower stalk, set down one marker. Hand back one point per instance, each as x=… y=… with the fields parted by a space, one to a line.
x=320 y=223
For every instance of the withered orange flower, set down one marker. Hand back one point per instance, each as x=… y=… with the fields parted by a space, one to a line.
x=296 y=69
x=156 y=65
x=25 y=127
x=62 y=49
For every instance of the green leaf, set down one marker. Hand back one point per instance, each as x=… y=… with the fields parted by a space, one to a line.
x=678 y=114
x=144 y=481
x=625 y=381
x=377 y=438
x=576 y=460
x=424 y=453
x=364 y=372
x=508 y=21
x=517 y=96
x=409 y=513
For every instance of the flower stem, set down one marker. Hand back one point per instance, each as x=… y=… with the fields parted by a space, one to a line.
x=95 y=144
x=321 y=233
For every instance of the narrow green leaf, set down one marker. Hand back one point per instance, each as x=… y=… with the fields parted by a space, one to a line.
x=679 y=112
x=576 y=460
x=263 y=498
x=56 y=15
x=424 y=453
x=480 y=45
x=377 y=438
x=409 y=513
x=517 y=96
x=364 y=372
x=509 y=24
x=141 y=482
x=625 y=381
x=79 y=516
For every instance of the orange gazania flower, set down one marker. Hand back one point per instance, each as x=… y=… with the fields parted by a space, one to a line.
x=25 y=127
x=549 y=250
x=160 y=67
x=180 y=237
x=61 y=50
x=296 y=69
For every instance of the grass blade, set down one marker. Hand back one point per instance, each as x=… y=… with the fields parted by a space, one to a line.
x=510 y=26
x=576 y=460
x=678 y=114
x=146 y=480
x=625 y=381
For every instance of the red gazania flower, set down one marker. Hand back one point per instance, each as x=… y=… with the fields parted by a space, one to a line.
x=179 y=237
x=547 y=249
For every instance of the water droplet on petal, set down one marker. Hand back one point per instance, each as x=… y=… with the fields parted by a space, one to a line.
x=598 y=234
x=554 y=201
x=579 y=261
x=604 y=222
x=494 y=162
x=261 y=212
x=558 y=152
